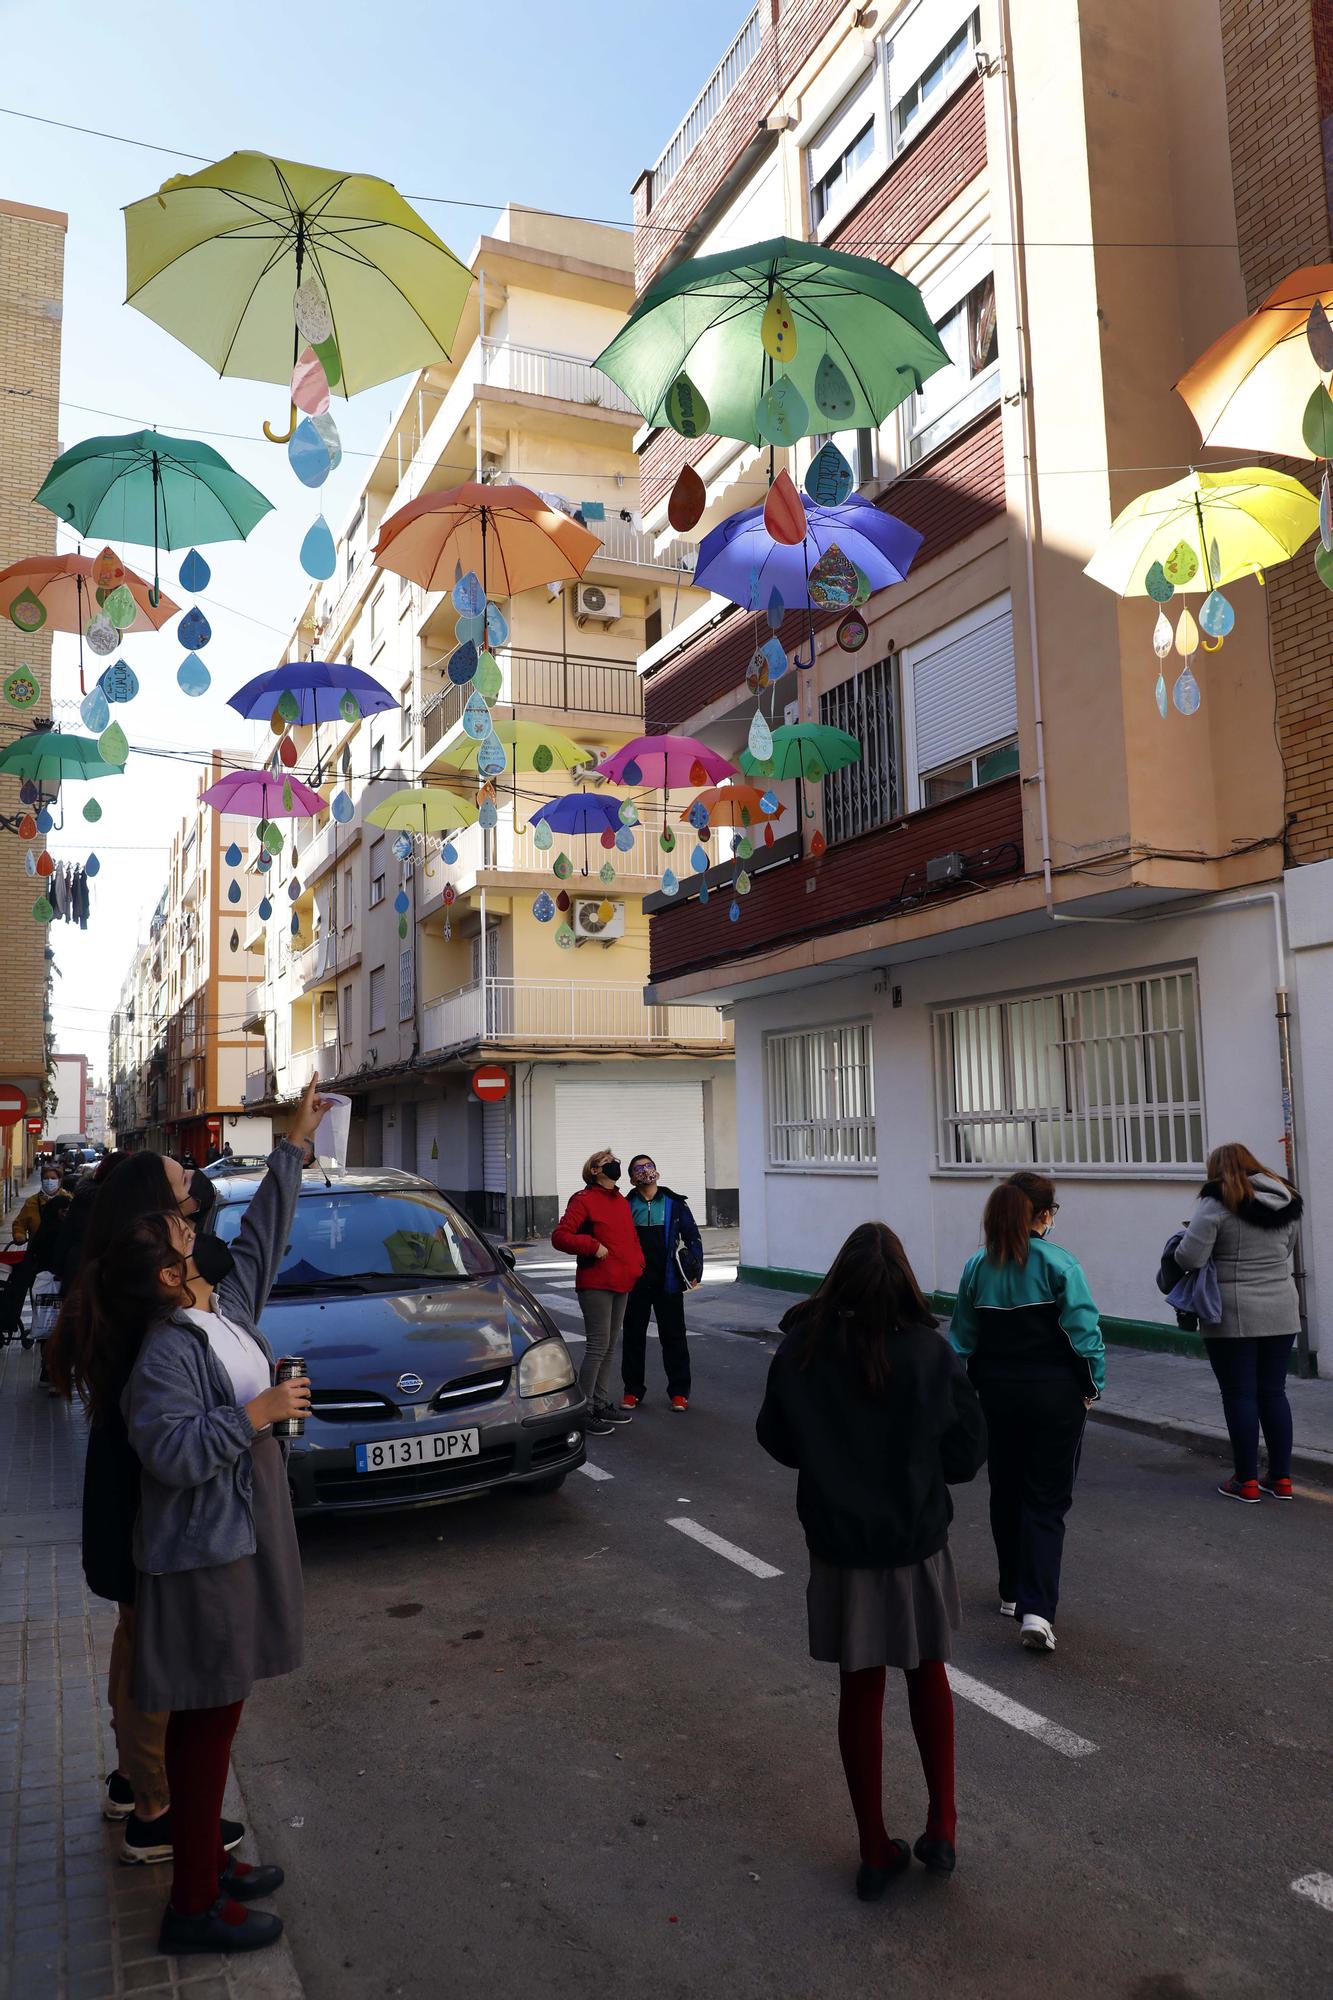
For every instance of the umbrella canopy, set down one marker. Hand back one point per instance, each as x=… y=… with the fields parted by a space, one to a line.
x=422 y=809
x=68 y=591
x=1234 y=523
x=319 y=687
x=704 y=317
x=734 y=805
x=215 y=257
x=259 y=795
x=507 y=535
x=1250 y=387
x=524 y=741
x=804 y=750
x=49 y=756
x=665 y=762
x=145 y=487
x=876 y=542
x=579 y=812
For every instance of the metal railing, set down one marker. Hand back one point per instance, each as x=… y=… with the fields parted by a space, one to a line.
x=254 y=1002
x=256 y=1085
x=542 y=680
x=541 y=371
x=341 y=606
x=623 y=542
x=709 y=102
x=561 y=1012
x=323 y=1055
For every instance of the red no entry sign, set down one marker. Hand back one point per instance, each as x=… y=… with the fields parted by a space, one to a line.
x=490 y=1083
x=13 y=1104
x=34 y=1126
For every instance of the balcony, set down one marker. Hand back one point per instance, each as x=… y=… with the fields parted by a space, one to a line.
x=323 y=1058
x=254 y=1008
x=622 y=542
x=541 y=371
x=560 y=1013
x=708 y=103
x=329 y=955
x=340 y=608
x=256 y=1086
x=543 y=680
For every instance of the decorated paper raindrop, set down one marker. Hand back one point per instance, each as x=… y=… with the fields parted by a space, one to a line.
x=462 y=664
x=95 y=711
x=703 y=889
x=733 y=912
x=108 y=570
x=1319 y=334
x=326 y=430
x=666 y=840
x=233 y=892
x=769 y=802
x=784 y=516
x=27 y=826
x=1163 y=638
x=277 y=722
x=319 y=558
x=669 y=882
x=195 y=574
x=1325 y=512
x=562 y=867
x=310 y=385
x=273 y=839
x=311 y=311
x=699 y=816
x=833 y=578
x=852 y=632
x=233 y=856
x=699 y=860
x=629 y=813
x=113 y=744
x=606 y=873
x=756 y=674
x=1216 y=615
x=777 y=328
x=42 y=910
x=564 y=937
x=121 y=608
x=22 y=687
x=192 y=676
x=496 y=626
x=263 y=861
x=1162 y=697
x=542 y=836
x=447 y=896
x=782 y=414
x=742 y=883
x=326 y=353
x=828 y=478
x=543 y=909
x=817 y=842
x=1185 y=694
x=265 y=909
x=467 y=594
x=833 y=393
x=470 y=625
x=27 y=611
x=491 y=758
x=685 y=409
x=295 y=925
x=775 y=658
x=101 y=635
x=194 y=630
x=1323 y=562
x=760 y=741
x=489 y=680
x=863 y=585
x=288 y=753
x=30 y=863
x=286 y=795
x=308 y=455
x=342 y=808
x=1317 y=423
x=401 y=848
x=91 y=810
x=1182 y=565
x=744 y=847
x=46 y=864
x=698 y=775
x=294 y=888
x=1158 y=585
x=1187 y=632
x=476 y=718
x=814 y=769
x=775 y=611
x=624 y=839
x=118 y=682
x=92 y=866
x=689 y=497
x=542 y=757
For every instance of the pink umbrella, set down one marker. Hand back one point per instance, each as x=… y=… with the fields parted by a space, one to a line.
x=259 y=795
x=667 y=762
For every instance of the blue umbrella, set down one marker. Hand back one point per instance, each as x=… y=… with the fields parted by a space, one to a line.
x=319 y=687
x=732 y=554
x=580 y=812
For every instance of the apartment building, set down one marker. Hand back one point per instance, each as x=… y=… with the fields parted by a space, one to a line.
x=408 y=972
x=32 y=268
x=1040 y=923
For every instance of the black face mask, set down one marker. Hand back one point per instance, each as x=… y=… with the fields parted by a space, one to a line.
x=611 y=1169
x=203 y=1194
x=213 y=1259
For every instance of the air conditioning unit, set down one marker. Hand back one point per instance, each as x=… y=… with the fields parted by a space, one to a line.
x=593 y=926
x=592 y=602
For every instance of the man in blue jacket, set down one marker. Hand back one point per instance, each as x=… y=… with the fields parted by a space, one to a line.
x=673 y=1263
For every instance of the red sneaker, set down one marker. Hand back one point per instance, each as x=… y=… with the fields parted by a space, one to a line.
x=680 y=1402
x=1241 y=1489
x=628 y=1402
x=1277 y=1489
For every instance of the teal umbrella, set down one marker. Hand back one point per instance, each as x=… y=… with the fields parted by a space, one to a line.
x=849 y=338
x=45 y=756
x=145 y=487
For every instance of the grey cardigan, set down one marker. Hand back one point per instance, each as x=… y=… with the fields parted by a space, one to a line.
x=1251 y=1251
x=191 y=1438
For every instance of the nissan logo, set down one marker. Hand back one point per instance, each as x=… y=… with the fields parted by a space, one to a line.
x=410 y=1384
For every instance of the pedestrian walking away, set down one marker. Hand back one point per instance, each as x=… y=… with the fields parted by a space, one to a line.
x=1245 y=1223
x=41 y=1225
x=874 y=1410
x=673 y=1264
x=598 y=1229
x=1027 y=1327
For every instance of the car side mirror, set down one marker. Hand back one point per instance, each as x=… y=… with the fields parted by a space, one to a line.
x=505 y=1254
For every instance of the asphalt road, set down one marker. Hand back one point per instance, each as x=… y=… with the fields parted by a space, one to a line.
x=549 y=1746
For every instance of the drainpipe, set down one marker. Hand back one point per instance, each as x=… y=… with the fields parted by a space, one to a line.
x=1029 y=450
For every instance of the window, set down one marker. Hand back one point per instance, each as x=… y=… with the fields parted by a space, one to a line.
x=867 y=794
x=406 y=982
x=842 y=156
x=492 y=955
x=999 y=762
x=929 y=58
x=821 y=1098
x=347 y=899
x=347 y=1014
x=962 y=306
x=1103 y=1078
x=405 y=712
x=376 y=1000
x=377 y=620
x=652 y=627
x=376 y=1233
x=958 y=691
x=376 y=755
x=353 y=529
x=376 y=872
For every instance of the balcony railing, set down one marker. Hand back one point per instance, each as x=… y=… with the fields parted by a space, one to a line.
x=256 y=1085
x=623 y=542
x=324 y=1056
x=543 y=680
x=561 y=1012
x=255 y=1003
x=709 y=102
x=353 y=588
x=540 y=371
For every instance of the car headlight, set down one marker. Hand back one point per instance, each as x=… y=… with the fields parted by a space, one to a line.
x=545 y=1368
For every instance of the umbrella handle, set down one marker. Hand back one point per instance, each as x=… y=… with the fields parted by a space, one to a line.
x=797 y=661
x=1213 y=645
x=281 y=437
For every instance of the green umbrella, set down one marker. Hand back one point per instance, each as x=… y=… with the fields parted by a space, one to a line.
x=804 y=750
x=48 y=755
x=857 y=341
x=144 y=487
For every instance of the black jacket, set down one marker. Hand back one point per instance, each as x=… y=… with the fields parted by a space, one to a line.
x=874 y=1476
x=110 y=1506
x=684 y=1247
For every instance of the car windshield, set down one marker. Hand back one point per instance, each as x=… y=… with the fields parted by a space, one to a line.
x=342 y=1235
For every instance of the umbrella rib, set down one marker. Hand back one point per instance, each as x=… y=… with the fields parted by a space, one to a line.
x=271 y=264
x=394 y=287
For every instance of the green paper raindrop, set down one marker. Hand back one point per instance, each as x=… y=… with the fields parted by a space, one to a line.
x=27 y=611
x=113 y=744
x=91 y=810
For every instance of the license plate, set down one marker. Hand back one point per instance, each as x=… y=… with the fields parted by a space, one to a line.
x=434 y=1449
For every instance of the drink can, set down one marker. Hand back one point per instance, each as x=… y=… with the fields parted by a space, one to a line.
x=287 y=1370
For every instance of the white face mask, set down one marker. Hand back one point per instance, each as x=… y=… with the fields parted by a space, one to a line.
x=50 y=1187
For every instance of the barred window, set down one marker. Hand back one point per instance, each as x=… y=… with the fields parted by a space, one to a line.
x=821 y=1098
x=867 y=794
x=1098 y=1079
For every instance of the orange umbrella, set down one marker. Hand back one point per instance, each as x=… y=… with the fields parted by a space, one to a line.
x=67 y=589
x=1250 y=388
x=733 y=805
x=506 y=535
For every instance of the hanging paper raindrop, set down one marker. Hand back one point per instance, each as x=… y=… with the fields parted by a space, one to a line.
x=562 y=867
x=495 y=626
x=1216 y=616
x=632 y=772
x=1317 y=423
x=606 y=873
x=194 y=630
x=295 y=925
x=742 y=883
x=22 y=688
x=1319 y=335
x=542 y=836
x=233 y=856
x=833 y=579
x=121 y=608
x=1158 y=585
x=326 y=430
x=1161 y=696
x=1185 y=694
x=833 y=394
x=46 y=864
x=1182 y=565
x=101 y=635
x=699 y=860
x=491 y=758
x=817 y=843
x=294 y=888
x=402 y=927
x=233 y=892
x=42 y=910
x=624 y=839
x=467 y=594
x=401 y=848
x=401 y=903
x=564 y=937
x=44 y=820
x=784 y=516
x=265 y=909
x=777 y=328
x=91 y=810
x=689 y=497
x=734 y=912
x=782 y=414
x=562 y=900
x=490 y=680
x=669 y=882
x=1163 y=638
x=118 y=682
x=1325 y=512
x=310 y=385
x=30 y=863
x=92 y=866
x=703 y=890
x=666 y=840
x=1187 y=632
x=685 y=409
x=27 y=611
x=113 y=745
x=273 y=836
x=319 y=558
x=192 y=676
x=462 y=664
x=27 y=827
x=95 y=711
x=542 y=757
x=195 y=574
x=311 y=311
x=342 y=808
x=629 y=813
x=234 y=941
x=308 y=455
x=477 y=718
x=543 y=909
x=852 y=632
x=449 y=853
x=828 y=478
x=760 y=741
x=288 y=753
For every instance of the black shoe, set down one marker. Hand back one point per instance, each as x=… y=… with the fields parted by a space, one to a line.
x=118 y=1796
x=595 y=1425
x=612 y=1414
x=211 y=1932
x=148 y=1841
x=936 y=1855
x=261 y=1881
x=25 y=1340
x=872 y=1882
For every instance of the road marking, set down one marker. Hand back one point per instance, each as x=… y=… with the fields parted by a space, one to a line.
x=1013 y=1712
x=1319 y=1889
x=741 y=1557
x=592 y=1471
x=1313 y=1493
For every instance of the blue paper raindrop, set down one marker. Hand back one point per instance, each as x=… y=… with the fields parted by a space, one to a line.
x=95 y=711
x=477 y=717
x=624 y=839
x=265 y=909
x=308 y=455
x=192 y=676
x=769 y=802
x=194 y=630
x=543 y=909
x=734 y=913
x=118 y=682
x=295 y=925
x=449 y=854
x=294 y=888
x=194 y=572
x=703 y=890
x=342 y=808
x=632 y=773
x=487 y=814
x=401 y=847
x=233 y=856
x=92 y=866
x=467 y=594
x=463 y=663
x=470 y=626
x=400 y=903
x=699 y=860
x=233 y=892
x=669 y=882
x=497 y=626
x=44 y=821
x=319 y=558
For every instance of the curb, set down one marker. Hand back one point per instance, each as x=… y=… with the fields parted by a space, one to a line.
x=1318 y=1470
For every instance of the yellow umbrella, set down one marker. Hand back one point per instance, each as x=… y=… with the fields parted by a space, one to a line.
x=526 y=743
x=422 y=809
x=1250 y=388
x=1205 y=531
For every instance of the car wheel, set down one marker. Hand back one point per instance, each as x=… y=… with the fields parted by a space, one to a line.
x=551 y=1484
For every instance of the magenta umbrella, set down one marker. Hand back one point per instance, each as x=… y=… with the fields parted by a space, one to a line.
x=666 y=763
x=259 y=795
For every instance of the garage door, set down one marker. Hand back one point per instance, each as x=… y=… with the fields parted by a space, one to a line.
x=665 y=1119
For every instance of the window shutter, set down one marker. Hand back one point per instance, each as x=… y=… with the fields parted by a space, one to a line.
x=925 y=34
x=963 y=693
x=851 y=117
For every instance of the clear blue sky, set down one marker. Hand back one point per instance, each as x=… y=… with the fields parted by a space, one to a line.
x=559 y=107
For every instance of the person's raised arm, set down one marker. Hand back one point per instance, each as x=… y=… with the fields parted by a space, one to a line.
x=261 y=1241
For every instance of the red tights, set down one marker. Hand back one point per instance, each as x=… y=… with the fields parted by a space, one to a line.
x=860 y=1739
x=198 y=1753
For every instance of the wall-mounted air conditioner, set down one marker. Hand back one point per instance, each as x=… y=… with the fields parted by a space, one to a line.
x=594 y=605
x=592 y=924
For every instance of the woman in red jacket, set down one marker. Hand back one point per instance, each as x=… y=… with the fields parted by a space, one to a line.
x=598 y=1229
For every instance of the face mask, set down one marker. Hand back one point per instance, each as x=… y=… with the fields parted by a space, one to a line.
x=611 y=1169
x=50 y=1187
x=642 y=1176
x=213 y=1259
x=203 y=1194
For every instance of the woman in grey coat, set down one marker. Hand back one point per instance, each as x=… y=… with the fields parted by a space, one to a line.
x=1246 y=1221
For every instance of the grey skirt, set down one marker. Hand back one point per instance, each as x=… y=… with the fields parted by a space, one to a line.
x=883 y=1617
x=203 y=1637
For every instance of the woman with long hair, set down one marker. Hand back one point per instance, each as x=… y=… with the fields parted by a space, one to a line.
x=1027 y=1327
x=1246 y=1220
x=869 y=1404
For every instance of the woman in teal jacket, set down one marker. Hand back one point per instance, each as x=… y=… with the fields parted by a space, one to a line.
x=1027 y=1327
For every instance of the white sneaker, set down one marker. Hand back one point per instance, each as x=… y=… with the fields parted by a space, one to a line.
x=1007 y=1607
x=1037 y=1634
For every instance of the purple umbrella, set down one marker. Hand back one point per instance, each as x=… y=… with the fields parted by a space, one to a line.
x=732 y=553
x=259 y=795
x=318 y=686
x=580 y=812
